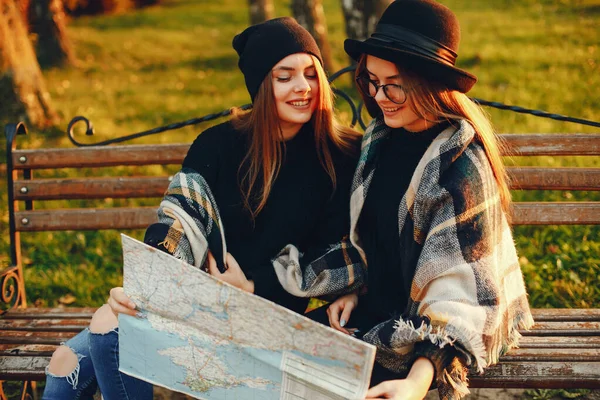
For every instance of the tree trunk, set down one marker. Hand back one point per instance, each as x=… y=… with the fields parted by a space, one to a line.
x=310 y=14
x=47 y=23
x=23 y=92
x=260 y=10
x=380 y=6
x=361 y=16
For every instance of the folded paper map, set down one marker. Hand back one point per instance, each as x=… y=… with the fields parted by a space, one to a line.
x=210 y=340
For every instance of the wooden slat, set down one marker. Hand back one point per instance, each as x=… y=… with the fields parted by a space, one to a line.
x=100 y=156
x=90 y=188
x=564 y=213
x=47 y=325
x=27 y=349
x=560 y=342
x=49 y=313
x=566 y=314
x=163 y=154
x=85 y=219
x=523 y=178
x=559 y=354
x=20 y=337
x=23 y=368
x=544 y=144
x=533 y=213
x=545 y=375
x=535 y=178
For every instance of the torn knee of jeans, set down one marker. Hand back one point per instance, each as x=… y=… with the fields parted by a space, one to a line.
x=72 y=377
x=103 y=332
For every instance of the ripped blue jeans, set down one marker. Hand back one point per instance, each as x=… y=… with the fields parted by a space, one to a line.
x=98 y=365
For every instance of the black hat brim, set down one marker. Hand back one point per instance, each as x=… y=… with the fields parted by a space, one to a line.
x=454 y=78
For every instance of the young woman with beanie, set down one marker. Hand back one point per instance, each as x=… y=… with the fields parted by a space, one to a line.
x=278 y=174
x=444 y=293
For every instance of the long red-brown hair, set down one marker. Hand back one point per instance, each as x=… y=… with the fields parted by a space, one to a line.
x=261 y=165
x=433 y=101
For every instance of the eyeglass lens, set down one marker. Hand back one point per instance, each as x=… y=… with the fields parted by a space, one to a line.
x=393 y=92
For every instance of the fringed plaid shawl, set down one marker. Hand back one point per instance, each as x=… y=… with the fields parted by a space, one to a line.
x=468 y=289
x=191 y=214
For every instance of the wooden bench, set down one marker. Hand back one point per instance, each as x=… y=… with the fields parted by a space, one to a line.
x=561 y=351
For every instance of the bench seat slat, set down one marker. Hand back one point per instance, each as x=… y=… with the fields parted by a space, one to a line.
x=49 y=325
x=566 y=314
x=33 y=350
x=509 y=374
x=559 y=342
x=544 y=375
x=20 y=337
x=49 y=313
x=23 y=368
x=90 y=188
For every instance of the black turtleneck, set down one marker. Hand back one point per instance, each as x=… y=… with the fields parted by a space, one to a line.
x=392 y=255
x=301 y=209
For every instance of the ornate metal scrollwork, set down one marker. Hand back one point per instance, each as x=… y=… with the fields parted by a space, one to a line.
x=11 y=284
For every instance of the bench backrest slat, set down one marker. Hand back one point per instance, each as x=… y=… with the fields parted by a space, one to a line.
x=548 y=144
x=140 y=217
x=85 y=219
x=540 y=178
x=564 y=213
x=104 y=156
x=522 y=178
x=90 y=188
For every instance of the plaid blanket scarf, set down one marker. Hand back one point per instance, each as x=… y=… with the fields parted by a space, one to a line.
x=190 y=213
x=468 y=289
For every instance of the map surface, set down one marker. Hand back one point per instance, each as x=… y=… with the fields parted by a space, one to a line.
x=210 y=340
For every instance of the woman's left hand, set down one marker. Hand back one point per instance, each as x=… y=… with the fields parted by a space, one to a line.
x=234 y=274
x=404 y=389
x=414 y=387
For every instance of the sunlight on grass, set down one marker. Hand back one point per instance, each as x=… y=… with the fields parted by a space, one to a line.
x=165 y=64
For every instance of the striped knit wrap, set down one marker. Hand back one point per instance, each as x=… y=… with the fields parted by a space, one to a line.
x=190 y=211
x=468 y=289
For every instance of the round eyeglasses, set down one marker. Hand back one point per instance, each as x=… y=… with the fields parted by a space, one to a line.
x=394 y=92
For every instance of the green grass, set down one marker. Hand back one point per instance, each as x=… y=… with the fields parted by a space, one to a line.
x=169 y=63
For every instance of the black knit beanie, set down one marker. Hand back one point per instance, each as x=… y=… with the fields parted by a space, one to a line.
x=263 y=45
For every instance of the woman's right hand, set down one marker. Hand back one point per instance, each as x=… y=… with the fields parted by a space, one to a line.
x=119 y=302
x=344 y=306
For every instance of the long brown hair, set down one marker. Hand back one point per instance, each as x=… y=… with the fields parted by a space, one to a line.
x=429 y=99
x=264 y=157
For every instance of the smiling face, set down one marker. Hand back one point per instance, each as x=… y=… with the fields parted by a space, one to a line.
x=383 y=72
x=296 y=92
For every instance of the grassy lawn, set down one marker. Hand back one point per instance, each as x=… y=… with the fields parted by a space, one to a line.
x=172 y=62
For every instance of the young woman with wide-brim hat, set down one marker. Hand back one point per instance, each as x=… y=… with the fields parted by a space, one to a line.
x=429 y=205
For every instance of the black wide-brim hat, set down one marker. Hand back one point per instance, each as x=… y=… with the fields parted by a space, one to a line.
x=421 y=36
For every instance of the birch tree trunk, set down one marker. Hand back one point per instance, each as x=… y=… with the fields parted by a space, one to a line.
x=47 y=22
x=260 y=10
x=361 y=16
x=23 y=92
x=310 y=14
